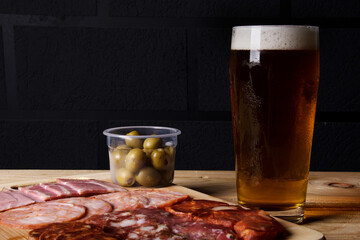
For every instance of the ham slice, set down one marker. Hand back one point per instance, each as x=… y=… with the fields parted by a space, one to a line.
x=38 y=193
x=60 y=190
x=90 y=186
x=12 y=199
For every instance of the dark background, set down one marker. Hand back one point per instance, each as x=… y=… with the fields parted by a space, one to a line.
x=71 y=68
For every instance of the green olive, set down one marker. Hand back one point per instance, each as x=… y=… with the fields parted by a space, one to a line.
x=135 y=160
x=134 y=142
x=117 y=157
x=148 y=152
x=124 y=177
x=170 y=151
x=167 y=177
x=148 y=177
x=158 y=159
x=123 y=147
x=152 y=143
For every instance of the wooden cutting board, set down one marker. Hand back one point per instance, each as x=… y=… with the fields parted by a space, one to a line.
x=296 y=232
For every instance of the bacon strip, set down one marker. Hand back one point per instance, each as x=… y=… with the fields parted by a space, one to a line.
x=38 y=193
x=90 y=186
x=60 y=190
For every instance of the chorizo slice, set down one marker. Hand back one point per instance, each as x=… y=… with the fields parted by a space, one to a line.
x=248 y=224
x=41 y=214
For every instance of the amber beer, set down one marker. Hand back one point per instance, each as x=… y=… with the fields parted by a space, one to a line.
x=274 y=76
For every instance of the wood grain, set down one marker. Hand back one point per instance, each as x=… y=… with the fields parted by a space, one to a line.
x=333 y=210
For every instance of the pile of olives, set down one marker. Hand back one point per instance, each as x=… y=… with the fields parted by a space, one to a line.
x=145 y=162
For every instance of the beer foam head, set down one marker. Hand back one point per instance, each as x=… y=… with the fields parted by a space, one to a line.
x=275 y=38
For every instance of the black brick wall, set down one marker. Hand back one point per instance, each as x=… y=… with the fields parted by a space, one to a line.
x=71 y=68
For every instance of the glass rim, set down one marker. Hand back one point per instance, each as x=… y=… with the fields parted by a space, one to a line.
x=173 y=132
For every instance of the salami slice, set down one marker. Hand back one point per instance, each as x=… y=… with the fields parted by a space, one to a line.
x=194 y=230
x=186 y=228
x=40 y=214
x=136 y=224
x=152 y=231
x=124 y=200
x=121 y=222
x=73 y=231
x=161 y=198
x=93 y=206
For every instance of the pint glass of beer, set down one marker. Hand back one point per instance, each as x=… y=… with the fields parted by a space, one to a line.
x=274 y=77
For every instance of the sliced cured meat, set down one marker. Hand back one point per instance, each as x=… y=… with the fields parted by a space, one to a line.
x=40 y=214
x=187 y=208
x=73 y=231
x=152 y=231
x=256 y=227
x=161 y=216
x=60 y=190
x=136 y=224
x=161 y=198
x=38 y=193
x=186 y=228
x=227 y=216
x=93 y=206
x=194 y=230
x=90 y=186
x=121 y=222
x=124 y=200
x=159 y=224
x=248 y=224
x=111 y=187
x=232 y=216
x=12 y=199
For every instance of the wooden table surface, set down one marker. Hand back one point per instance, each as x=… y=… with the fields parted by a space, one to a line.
x=332 y=207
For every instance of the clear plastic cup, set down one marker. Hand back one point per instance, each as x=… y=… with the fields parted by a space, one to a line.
x=142 y=155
